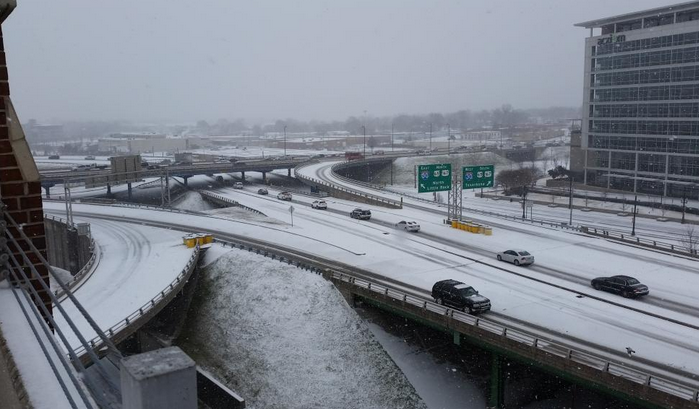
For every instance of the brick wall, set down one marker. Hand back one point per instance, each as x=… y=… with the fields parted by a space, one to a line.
x=20 y=188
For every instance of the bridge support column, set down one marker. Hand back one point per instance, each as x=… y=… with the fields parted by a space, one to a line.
x=186 y=178
x=264 y=177
x=109 y=189
x=128 y=188
x=496 y=399
x=48 y=191
x=288 y=172
x=242 y=176
x=165 y=378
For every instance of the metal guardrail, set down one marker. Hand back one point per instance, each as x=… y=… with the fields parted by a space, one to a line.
x=684 y=250
x=622 y=370
x=230 y=201
x=332 y=186
x=175 y=285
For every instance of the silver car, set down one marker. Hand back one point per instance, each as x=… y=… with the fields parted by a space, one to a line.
x=516 y=257
x=408 y=226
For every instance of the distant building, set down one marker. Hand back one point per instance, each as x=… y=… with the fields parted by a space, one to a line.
x=142 y=142
x=36 y=132
x=640 y=128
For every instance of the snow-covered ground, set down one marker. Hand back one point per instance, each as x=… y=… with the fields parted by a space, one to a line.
x=420 y=260
x=281 y=337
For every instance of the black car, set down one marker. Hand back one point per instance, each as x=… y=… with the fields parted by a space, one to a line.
x=360 y=214
x=627 y=286
x=459 y=295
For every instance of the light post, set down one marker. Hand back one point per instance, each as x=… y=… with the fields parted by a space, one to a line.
x=391 y=137
x=448 y=139
x=430 y=136
x=285 y=141
x=524 y=201
x=570 y=199
x=365 y=161
x=633 y=223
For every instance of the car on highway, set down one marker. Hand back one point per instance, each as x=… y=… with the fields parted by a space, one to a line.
x=516 y=257
x=89 y=157
x=319 y=204
x=408 y=226
x=262 y=191
x=460 y=296
x=627 y=287
x=238 y=185
x=54 y=157
x=284 y=196
x=361 y=214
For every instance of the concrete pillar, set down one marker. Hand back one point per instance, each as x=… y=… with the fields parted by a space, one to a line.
x=288 y=172
x=109 y=189
x=48 y=191
x=264 y=177
x=164 y=378
x=185 y=178
x=496 y=398
x=242 y=176
x=128 y=188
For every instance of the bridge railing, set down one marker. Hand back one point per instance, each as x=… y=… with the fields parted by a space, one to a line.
x=229 y=201
x=332 y=186
x=559 y=349
x=689 y=249
x=115 y=331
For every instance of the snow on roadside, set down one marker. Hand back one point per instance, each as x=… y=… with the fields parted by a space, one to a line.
x=281 y=337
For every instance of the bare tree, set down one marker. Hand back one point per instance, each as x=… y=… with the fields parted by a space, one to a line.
x=690 y=239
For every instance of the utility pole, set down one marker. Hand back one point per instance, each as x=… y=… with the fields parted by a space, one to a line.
x=524 y=201
x=391 y=139
x=570 y=199
x=430 y=136
x=633 y=225
x=448 y=139
x=285 y=141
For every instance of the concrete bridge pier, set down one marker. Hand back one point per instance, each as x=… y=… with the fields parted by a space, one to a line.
x=186 y=183
x=128 y=188
x=109 y=189
x=48 y=191
x=288 y=172
x=496 y=398
x=264 y=177
x=242 y=175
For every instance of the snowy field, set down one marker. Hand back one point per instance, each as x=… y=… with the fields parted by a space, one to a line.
x=282 y=337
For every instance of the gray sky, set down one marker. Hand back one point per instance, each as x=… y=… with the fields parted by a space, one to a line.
x=177 y=60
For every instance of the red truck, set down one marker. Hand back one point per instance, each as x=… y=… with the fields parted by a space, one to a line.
x=353 y=156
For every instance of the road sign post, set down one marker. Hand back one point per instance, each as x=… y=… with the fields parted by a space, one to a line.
x=434 y=178
x=291 y=212
x=478 y=176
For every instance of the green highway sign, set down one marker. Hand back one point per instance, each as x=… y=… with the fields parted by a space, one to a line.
x=478 y=176
x=434 y=178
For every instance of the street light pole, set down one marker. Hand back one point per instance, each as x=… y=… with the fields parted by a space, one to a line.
x=364 y=131
x=448 y=139
x=285 y=141
x=524 y=202
x=430 y=136
x=570 y=200
x=633 y=226
x=391 y=137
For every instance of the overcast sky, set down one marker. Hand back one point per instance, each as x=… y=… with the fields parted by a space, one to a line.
x=177 y=60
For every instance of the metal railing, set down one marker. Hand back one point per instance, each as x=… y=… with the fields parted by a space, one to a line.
x=27 y=283
x=229 y=201
x=116 y=330
x=687 y=250
x=325 y=267
x=332 y=186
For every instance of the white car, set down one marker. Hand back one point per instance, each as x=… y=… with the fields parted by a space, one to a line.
x=516 y=257
x=284 y=196
x=319 y=204
x=408 y=226
x=238 y=185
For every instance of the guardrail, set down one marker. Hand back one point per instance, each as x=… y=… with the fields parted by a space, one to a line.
x=325 y=268
x=229 y=201
x=684 y=250
x=116 y=330
x=382 y=201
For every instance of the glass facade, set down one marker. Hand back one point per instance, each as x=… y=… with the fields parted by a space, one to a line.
x=643 y=113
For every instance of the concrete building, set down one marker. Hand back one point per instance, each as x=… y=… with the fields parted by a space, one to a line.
x=143 y=142
x=640 y=128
